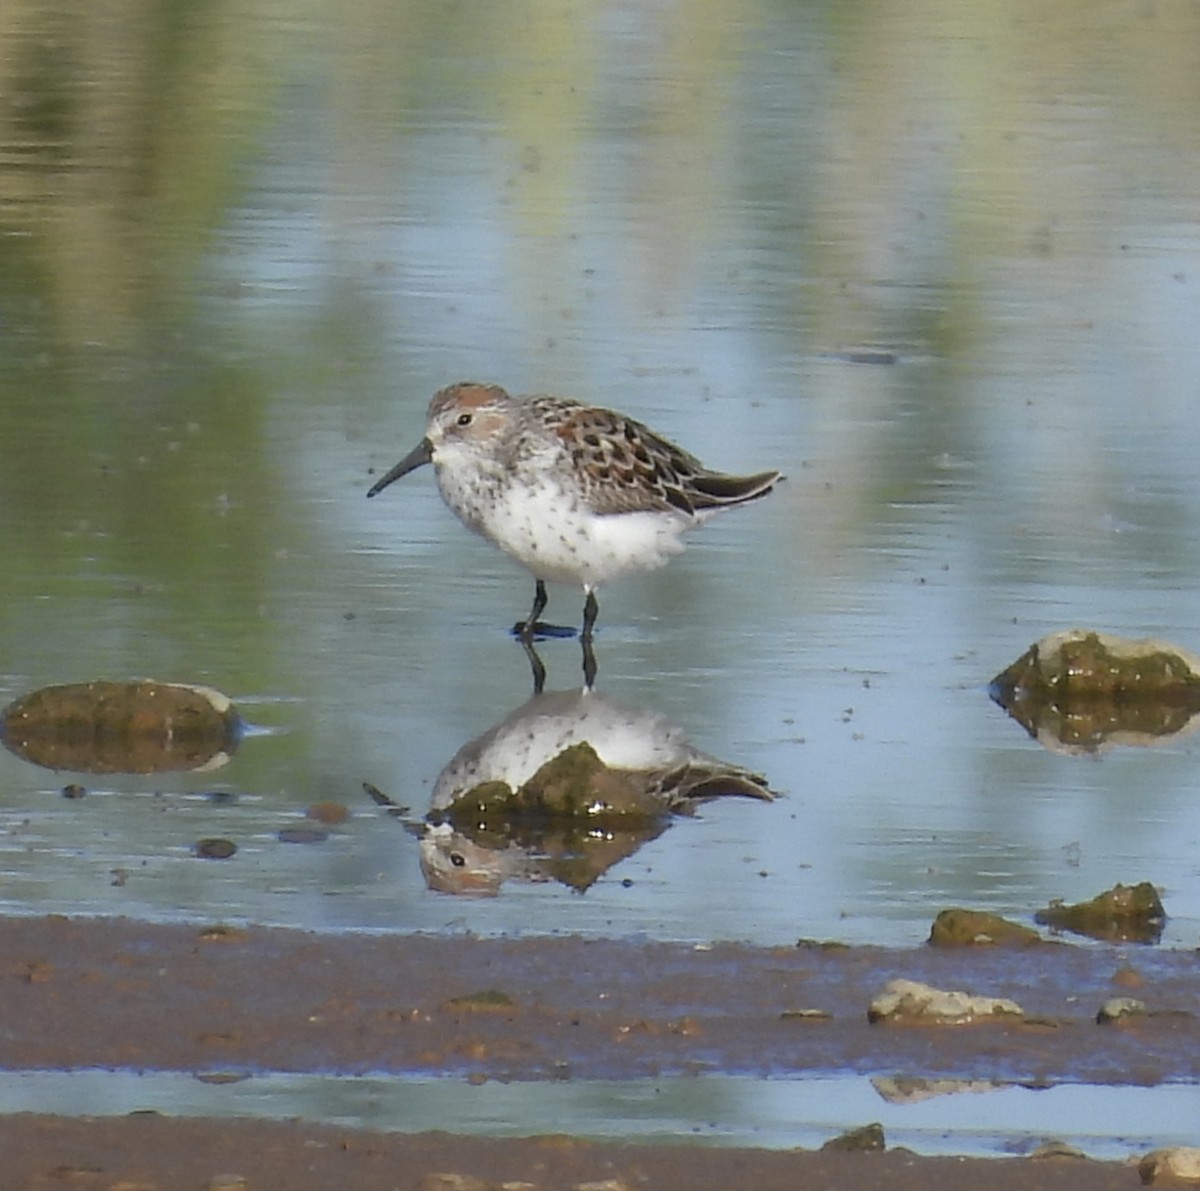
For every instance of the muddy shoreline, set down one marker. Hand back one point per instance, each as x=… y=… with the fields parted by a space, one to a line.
x=115 y=993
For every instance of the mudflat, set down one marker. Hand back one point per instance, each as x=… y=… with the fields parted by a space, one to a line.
x=78 y=993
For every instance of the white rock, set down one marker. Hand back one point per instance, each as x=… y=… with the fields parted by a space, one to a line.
x=1175 y=1167
x=911 y=1000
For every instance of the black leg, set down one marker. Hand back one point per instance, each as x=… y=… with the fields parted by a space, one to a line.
x=589 y=663
x=528 y=627
x=590 y=609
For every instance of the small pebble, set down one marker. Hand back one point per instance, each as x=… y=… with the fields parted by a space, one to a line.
x=302 y=835
x=1056 y=1151
x=214 y=849
x=1115 y=1008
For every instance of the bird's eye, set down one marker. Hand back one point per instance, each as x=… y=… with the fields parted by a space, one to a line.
x=457 y=858
x=465 y=419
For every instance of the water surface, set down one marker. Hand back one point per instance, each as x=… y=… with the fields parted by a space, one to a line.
x=939 y=264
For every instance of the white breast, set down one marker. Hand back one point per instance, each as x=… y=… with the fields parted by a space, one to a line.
x=549 y=530
x=559 y=538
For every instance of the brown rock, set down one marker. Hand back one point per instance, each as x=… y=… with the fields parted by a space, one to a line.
x=121 y=727
x=1122 y=913
x=866 y=1138
x=975 y=928
x=214 y=849
x=1127 y=977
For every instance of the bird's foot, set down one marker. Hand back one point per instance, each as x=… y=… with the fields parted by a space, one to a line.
x=541 y=631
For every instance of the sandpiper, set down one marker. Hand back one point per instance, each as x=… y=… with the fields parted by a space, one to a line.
x=575 y=493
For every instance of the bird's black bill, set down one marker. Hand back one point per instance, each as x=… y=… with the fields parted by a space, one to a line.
x=420 y=455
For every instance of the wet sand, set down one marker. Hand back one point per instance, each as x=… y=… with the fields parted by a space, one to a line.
x=116 y=993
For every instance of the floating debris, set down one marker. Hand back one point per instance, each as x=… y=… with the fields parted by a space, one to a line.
x=976 y=928
x=122 y=727
x=1122 y=914
x=1080 y=690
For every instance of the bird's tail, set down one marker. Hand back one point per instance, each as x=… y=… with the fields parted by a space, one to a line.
x=714 y=489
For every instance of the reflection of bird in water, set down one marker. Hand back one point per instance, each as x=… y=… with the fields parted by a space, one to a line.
x=476 y=864
x=562 y=789
x=453 y=862
x=647 y=752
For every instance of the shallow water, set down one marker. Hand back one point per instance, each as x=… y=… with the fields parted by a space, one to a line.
x=939 y=266
x=1105 y=1123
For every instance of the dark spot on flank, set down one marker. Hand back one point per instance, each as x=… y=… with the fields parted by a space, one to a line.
x=619 y=457
x=601 y=473
x=641 y=454
x=592 y=440
x=631 y=435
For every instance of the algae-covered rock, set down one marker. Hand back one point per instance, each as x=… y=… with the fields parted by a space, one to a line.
x=122 y=727
x=910 y=1002
x=1081 y=689
x=865 y=1139
x=1124 y=913
x=977 y=928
